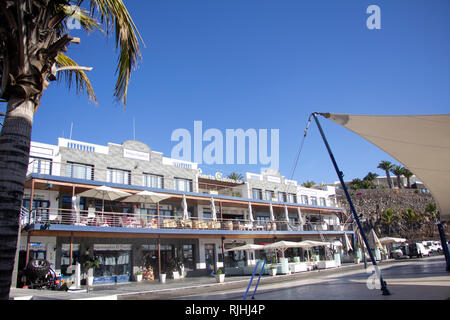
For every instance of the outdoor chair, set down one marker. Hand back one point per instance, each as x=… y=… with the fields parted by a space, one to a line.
x=228 y=225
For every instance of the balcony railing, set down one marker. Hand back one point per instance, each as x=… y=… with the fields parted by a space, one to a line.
x=129 y=220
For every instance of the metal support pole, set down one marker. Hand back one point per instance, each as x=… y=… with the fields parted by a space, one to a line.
x=444 y=245
x=251 y=280
x=259 y=278
x=384 y=289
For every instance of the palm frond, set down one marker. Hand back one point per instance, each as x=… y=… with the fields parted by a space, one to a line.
x=81 y=16
x=116 y=16
x=69 y=69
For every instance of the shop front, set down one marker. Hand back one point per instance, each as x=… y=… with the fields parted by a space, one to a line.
x=114 y=263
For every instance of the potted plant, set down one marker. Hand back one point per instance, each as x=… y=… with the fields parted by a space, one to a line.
x=89 y=265
x=357 y=259
x=220 y=276
x=139 y=276
x=162 y=278
x=273 y=270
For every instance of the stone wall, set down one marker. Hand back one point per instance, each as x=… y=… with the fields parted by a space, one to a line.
x=372 y=203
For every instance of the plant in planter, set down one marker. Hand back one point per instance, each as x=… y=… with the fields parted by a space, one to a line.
x=89 y=264
x=273 y=270
x=139 y=275
x=220 y=276
x=179 y=265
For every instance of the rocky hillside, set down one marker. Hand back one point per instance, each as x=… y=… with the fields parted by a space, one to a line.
x=373 y=203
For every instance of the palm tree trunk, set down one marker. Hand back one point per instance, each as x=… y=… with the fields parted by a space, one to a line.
x=14 y=153
x=388 y=176
x=399 y=182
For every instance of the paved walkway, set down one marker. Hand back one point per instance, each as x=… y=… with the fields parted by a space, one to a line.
x=186 y=287
x=418 y=279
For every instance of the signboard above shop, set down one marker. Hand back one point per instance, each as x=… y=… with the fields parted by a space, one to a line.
x=137 y=155
x=218 y=176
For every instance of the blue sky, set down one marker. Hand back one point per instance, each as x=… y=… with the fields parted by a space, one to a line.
x=263 y=65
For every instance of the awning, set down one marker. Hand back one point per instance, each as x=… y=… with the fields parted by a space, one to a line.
x=421 y=143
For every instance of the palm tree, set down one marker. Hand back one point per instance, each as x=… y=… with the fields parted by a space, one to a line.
x=386 y=166
x=236 y=176
x=34 y=36
x=408 y=174
x=412 y=218
x=398 y=171
x=308 y=184
x=432 y=215
x=389 y=218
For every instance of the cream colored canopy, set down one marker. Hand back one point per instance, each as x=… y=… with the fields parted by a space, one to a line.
x=421 y=143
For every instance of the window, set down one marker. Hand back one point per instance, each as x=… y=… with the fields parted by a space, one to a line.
x=183 y=184
x=282 y=197
x=305 y=199
x=269 y=195
x=257 y=194
x=153 y=181
x=118 y=176
x=322 y=202
x=292 y=198
x=79 y=171
x=314 y=201
x=39 y=165
x=262 y=220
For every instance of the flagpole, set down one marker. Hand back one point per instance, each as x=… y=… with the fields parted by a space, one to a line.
x=352 y=207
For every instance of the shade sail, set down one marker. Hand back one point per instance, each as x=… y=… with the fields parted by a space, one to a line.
x=421 y=143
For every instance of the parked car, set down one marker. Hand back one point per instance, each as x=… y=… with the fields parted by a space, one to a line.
x=434 y=247
x=437 y=247
x=417 y=250
x=399 y=252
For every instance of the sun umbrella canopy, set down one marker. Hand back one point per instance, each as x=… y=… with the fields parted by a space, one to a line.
x=213 y=210
x=386 y=240
x=347 y=243
x=282 y=245
x=250 y=213
x=185 y=208
x=247 y=247
x=300 y=217
x=104 y=193
x=312 y=243
x=286 y=213
x=272 y=217
x=376 y=241
x=146 y=197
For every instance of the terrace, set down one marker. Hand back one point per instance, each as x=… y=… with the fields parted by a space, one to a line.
x=68 y=180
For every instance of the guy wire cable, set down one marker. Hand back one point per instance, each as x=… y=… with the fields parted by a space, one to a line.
x=300 y=147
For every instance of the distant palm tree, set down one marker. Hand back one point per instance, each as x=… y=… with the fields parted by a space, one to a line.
x=308 y=184
x=408 y=174
x=413 y=219
x=235 y=176
x=432 y=215
x=398 y=171
x=389 y=218
x=371 y=176
x=386 y=166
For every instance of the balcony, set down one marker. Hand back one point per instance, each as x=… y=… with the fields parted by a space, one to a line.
x=90 y=219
